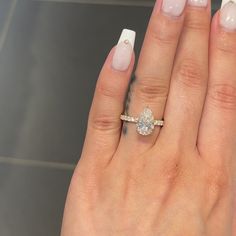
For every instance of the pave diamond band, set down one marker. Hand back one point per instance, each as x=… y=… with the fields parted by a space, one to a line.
x=135 y=120
x=129 y=119
x=145 y=123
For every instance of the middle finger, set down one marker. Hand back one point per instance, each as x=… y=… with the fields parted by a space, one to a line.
x=190 y=77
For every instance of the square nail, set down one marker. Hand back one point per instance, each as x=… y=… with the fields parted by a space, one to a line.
x=173 y=7
x=124 y=50
x=226 y=1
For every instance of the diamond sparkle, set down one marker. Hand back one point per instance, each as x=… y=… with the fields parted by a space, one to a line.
x=145 y=124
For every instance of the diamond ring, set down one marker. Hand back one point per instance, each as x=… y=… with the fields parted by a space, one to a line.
x=145 y=123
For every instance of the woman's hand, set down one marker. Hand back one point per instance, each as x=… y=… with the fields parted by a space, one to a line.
x=178 y=181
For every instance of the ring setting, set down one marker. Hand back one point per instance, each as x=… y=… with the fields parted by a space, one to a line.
x=145 y=123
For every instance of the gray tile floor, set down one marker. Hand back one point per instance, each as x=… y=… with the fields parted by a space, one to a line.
x=50 y=55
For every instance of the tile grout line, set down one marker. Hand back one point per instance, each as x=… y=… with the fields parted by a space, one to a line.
x=143 y=3
x=36 y=163
x=104 y=2
x=6 y=27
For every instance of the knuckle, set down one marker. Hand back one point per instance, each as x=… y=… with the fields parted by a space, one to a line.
x=149 y=89
x=226 y=43
x=189 y=73
x=162 y=37
x=196 y=25
x=197 y=20
x=135 y=178
x=109 y=89
x=171 y=172
x=217 y=182
x=223 y=96
x=157 y=31
x=171 y=169
x=104 y=122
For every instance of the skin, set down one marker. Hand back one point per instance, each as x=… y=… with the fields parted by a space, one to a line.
x=180 y=180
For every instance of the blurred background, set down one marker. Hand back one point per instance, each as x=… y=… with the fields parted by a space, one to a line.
x=51 y=52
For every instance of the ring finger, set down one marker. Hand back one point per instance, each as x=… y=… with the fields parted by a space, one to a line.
x=152 y=78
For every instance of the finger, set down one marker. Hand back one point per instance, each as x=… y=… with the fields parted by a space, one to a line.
x=218 y=126
x=189 y=78
x=104 y=125
x=153 y=73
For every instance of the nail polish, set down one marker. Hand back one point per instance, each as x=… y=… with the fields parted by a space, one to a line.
x=198 y=3
x=226 y=1
x=173 y=7
x=228 y=15
x=124 y=50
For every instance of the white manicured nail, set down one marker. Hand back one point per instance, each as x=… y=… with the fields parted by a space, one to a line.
x=226 y=1
x=124 y=50
x=228 y=15
x=173 y=7
x=198 y=3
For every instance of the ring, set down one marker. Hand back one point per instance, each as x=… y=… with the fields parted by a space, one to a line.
x=145 y=123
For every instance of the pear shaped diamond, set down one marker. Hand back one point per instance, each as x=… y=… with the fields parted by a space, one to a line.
x=145 y=124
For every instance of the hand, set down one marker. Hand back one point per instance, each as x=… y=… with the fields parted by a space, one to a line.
x=179 y=180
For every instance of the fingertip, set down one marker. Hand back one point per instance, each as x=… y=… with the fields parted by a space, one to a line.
x=123 y=52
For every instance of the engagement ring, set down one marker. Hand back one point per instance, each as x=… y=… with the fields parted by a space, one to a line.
x=145 y=123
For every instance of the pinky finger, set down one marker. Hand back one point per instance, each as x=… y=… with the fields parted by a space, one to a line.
x=104 y=125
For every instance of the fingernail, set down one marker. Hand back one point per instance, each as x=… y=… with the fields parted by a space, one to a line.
x=173 y=7
x=198 y=3
x=226 y=1
x=124 y=50
x=228 y=15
